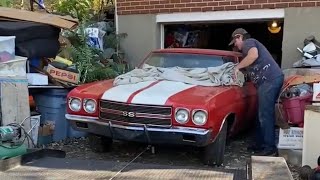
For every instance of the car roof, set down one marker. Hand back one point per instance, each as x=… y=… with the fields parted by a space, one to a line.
x=198 y=51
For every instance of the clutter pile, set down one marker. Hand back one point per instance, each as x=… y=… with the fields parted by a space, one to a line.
x=53 y=54
x=294 y=99
x=299 y=92
x=186 y=37
x=310 y=53
x=33 y=38
x=61 y=52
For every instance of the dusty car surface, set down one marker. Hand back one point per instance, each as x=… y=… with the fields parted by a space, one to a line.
x=166 y=112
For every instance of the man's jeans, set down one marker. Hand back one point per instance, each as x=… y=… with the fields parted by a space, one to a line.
x=268 y=93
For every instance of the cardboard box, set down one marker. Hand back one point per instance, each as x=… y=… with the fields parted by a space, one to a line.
x=46 y=129
x=291 y=138
x=37 y=79
x=12 y=14
x=63 y=75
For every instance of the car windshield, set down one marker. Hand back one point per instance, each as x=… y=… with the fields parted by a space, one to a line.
x=186 y=60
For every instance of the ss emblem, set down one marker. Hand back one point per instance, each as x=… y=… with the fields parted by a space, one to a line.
x=128 y=114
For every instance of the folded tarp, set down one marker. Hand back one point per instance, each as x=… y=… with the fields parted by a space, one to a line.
x=25 y=31
x=212 y=76
x=38 y=48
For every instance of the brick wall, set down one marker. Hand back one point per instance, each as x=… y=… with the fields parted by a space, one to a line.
x=169 y=6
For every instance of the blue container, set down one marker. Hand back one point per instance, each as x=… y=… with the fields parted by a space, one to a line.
x=36 y=62
x=52 y=104
x=44 y=140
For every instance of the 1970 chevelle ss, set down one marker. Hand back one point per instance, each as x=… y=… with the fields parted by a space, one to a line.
x=166 y=112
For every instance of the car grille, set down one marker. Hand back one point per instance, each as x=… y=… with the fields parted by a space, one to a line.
x=134 y=113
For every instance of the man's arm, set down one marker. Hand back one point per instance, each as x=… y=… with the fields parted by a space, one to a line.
x=249 y=59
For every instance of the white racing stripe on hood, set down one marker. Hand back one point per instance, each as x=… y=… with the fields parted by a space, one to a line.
x=160 y=92
x=122 y=93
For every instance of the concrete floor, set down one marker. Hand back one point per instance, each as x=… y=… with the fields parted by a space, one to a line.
x=66 y=168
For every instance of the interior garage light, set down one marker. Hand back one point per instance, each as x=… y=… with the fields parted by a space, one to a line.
x=274 y=27
x=274 y=24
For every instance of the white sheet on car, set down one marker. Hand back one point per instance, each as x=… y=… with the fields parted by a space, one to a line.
x=211 y=76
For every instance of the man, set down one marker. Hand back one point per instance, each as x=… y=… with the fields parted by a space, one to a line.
x=267 y=76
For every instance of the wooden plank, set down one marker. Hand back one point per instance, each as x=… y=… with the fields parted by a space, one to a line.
x=301 y=71
x=268 y=168
x=45 y=18
x=313 y=108
x=311 y=147
x=305 y=80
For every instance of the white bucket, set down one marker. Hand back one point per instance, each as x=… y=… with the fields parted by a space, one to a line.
x=35 y=122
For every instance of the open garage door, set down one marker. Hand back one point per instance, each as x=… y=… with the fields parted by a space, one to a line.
x=201 y=32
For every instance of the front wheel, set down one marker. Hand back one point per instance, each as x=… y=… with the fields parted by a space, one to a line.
x=99 y=144
x=214 y=153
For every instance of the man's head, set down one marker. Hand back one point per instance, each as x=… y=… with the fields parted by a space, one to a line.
x=238 y=36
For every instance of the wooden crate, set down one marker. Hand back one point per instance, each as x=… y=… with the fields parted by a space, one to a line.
x=311 y=145
x=14 y=104
x=266 y=168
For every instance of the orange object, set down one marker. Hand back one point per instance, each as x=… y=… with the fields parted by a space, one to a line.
x=298 y=79
x=32 y=104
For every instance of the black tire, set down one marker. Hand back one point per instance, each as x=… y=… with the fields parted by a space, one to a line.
x=214 y=153
x=99 y=144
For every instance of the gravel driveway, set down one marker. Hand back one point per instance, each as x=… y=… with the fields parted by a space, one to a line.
x=236 y=155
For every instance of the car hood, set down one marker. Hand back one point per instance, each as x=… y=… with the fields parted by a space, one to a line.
x=163 y=93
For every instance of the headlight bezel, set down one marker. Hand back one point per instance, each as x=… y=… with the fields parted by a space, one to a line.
x=196 y=111
x=84 y=105
x=70 y=101
x=177 y=110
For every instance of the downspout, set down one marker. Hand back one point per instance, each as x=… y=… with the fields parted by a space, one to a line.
x=117 y=24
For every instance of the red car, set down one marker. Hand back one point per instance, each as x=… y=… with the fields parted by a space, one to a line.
x=168 y=112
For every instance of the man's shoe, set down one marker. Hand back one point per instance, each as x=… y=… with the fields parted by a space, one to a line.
x=254 y=148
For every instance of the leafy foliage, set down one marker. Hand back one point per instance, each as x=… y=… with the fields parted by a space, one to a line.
x=6 y=3
x=76 y=8
x=88 y=60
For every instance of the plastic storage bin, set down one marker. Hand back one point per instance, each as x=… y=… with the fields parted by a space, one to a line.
x=15 y=67
x=7 y=48
x=35 y=122
x=294 y=108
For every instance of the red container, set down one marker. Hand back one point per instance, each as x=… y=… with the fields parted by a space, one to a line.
x=294 y=108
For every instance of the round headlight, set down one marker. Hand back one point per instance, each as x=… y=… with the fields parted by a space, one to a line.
x=75 y=104
x=90 y=106
x=182 y=116
x=200 y=117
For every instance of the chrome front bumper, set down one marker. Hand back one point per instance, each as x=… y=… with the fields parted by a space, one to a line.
x=141 y=133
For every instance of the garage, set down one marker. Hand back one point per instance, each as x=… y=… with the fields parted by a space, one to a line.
x=217 y=35
x=213 y=30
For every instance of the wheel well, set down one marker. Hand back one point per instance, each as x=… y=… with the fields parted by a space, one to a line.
x=230 y=120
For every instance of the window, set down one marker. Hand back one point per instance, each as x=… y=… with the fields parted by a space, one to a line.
x=187 y=60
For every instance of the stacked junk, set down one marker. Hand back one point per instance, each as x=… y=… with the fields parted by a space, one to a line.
x=294 y=98
x=301 y=88
x=36 y=38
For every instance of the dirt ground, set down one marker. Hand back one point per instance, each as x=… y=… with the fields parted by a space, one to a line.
x=236 y=155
